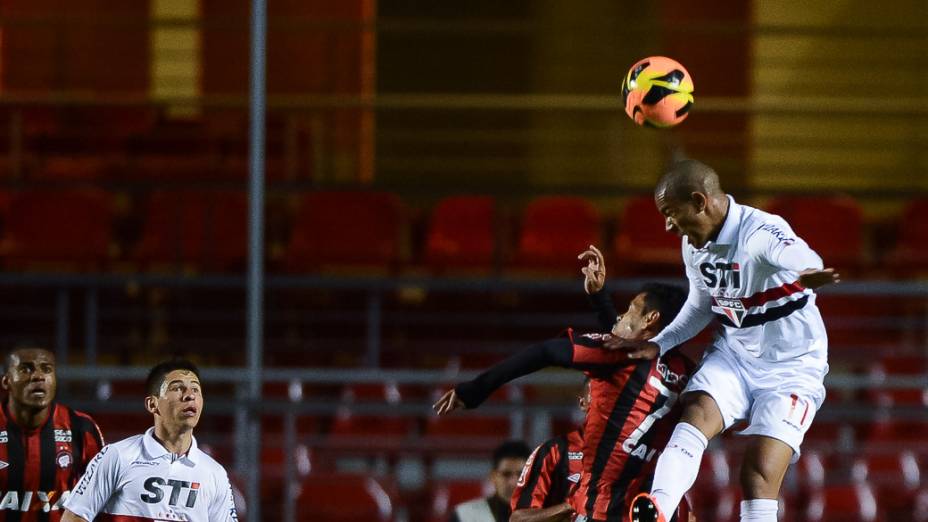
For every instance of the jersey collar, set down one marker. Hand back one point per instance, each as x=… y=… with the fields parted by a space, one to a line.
x=155 y=450
x=729 y=233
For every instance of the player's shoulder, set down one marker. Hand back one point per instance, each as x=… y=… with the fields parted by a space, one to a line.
x=125 y=450
x=129 y=446
x=211 y=465
x=81 y=418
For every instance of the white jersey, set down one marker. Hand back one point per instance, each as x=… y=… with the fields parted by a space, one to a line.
x=138 y=479
x=748 y=279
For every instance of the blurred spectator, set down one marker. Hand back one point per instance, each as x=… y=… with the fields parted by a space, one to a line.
x=508 y=460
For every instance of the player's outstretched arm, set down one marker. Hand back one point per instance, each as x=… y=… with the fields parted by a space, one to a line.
x=554 y=352
x=71 y=517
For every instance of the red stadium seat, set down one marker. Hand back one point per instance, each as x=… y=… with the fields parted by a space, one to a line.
x=721 y=506
x=59 y=228
x=447 y=495
x=910 y=257
x=843 y=503
x=895 y=475
x=465 y=433
x=838 y=239
x=346 y=230
x=889 y=434
x=642 y=244
x=554 y=231
x=200 y=229
x=911 y=366
x=344 y=498
x=461 y=234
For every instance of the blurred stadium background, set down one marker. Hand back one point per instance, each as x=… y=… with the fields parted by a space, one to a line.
x=432 y=171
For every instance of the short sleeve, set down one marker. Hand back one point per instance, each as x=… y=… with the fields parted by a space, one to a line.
x=776 y=244
x=222 y=506
x=96 y=486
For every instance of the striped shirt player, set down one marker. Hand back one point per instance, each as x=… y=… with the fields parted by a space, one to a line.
x=633 y=407
x=139 y=480
x=553 y=469
x=39 y=467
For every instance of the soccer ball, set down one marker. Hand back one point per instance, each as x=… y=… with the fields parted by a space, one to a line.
x=657 y=92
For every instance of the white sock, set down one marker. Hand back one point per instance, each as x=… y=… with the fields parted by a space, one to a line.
x=759 y=510
x=677 y=467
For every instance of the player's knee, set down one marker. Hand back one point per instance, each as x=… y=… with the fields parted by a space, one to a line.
x=700 y=410
x=760 y=480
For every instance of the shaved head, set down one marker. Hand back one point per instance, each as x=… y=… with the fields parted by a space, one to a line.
x=686 y=177
x=692 y=202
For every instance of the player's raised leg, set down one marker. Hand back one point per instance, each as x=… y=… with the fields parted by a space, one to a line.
x=678 y=465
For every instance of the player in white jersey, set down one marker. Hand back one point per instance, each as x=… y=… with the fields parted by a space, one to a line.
x=159 y=475
x=747 y=269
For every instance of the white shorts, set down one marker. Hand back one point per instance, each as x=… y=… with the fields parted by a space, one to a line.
x=780 y=402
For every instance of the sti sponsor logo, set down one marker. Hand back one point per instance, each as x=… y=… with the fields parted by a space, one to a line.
x=62 y=435
x=155 y=486
x=35 y=501
x=721 y=275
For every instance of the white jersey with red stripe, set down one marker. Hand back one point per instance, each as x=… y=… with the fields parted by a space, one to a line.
x=748 y=279
x=138 y=479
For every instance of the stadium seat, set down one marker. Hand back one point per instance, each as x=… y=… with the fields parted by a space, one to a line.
x=721 y=506
x=909 y=256
x=447 y=495
x=889 y=434
x=465 y=433
x=906 y=366
x=895 y=476
x=838 y=239
x=642 y=245
x=67 y=229
x=346 y=230
x=461 y=234
x=205 y=230
x=344 y=498
x=844 y=503
x=554 y=231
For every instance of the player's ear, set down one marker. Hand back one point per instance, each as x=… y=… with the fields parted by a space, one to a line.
x=151 y=404
x=700 y=201
x=652 y=318
x=5 y=382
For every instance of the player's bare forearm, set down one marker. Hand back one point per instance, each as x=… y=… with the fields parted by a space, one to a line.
x=558 y=513
x=813 y=278
x=71 y=517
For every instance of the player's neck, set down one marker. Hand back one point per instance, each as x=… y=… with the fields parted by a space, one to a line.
x=724 y=205
x=175 y=440
x=26 y=417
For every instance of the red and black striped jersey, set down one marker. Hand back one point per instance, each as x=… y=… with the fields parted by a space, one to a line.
x=39 y=467
x=552 y=470
x=632 y=414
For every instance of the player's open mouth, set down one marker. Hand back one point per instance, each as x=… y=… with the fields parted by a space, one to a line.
x=37 y=392
x=189 y=412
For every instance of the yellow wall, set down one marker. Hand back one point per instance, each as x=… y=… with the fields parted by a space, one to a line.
x=175 y=57
x=869 y=56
